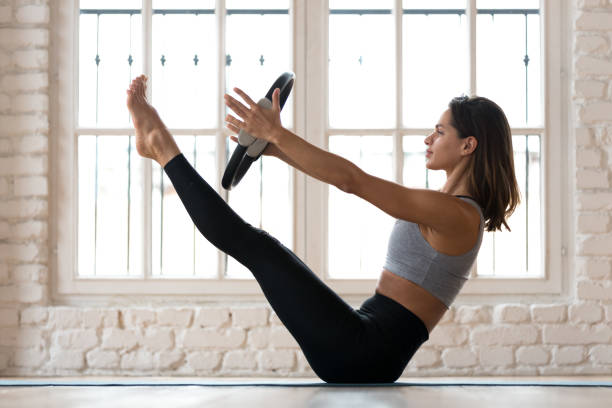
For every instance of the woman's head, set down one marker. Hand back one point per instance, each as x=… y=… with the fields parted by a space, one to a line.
x=475 y=134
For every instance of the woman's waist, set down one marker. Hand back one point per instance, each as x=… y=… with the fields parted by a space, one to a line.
x=413 y=297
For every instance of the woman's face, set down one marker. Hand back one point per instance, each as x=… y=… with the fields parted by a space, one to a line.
x=445 y=148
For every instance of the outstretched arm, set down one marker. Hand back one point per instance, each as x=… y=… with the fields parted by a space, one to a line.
x=272 y=150
x=318 y=163
x=441 y=211
x=265 y=124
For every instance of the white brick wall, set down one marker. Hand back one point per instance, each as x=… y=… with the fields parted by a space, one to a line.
x=564 y=337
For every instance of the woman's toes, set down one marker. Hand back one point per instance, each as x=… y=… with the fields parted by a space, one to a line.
x=141 y=90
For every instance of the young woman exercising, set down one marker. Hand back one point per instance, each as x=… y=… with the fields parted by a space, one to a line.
x=432 y=247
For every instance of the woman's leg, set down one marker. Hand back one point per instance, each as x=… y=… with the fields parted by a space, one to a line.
x=315 y=315
x=327 y=329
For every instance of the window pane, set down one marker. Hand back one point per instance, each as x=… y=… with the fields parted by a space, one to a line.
x=254 y=61
x=110 y=191
x=533 y=201
x=508 y=65
x=184 y=73
x=206 y=254
x=87 y=206
x=109 y=56
x=179 y=249
x=361 y=70
x=358 y=231
x=517 y=253
x=436 y=70
x=263 y=199
x=87 y=70
x=416 y=174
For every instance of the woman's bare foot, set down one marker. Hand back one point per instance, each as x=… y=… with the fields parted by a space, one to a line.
x=152 y=138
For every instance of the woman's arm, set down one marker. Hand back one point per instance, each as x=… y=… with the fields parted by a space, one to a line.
x=265 y=124
x=272 y=150
x=441 y=211
x=318 y=163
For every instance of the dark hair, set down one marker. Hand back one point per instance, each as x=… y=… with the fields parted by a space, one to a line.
x=491 y=178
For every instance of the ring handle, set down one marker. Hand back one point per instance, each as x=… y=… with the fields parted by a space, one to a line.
x=249 y=148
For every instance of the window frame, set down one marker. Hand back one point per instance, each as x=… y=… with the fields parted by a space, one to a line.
x=310 y=45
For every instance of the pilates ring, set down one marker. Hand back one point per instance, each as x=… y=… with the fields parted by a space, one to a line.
x=249 y=148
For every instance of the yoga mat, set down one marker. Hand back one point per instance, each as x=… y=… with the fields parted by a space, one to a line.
x=46 y=382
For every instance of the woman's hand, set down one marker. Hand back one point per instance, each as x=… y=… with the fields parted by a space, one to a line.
x=270 y=150
x=257 y=121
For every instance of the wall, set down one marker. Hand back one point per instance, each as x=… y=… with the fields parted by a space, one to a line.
x=38 y=338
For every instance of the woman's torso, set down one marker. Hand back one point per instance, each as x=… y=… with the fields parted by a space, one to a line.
x=413 y=297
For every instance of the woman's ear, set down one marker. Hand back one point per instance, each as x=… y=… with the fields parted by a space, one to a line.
x=470 y=144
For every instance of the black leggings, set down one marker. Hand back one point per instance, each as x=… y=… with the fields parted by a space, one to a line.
x=342 y=345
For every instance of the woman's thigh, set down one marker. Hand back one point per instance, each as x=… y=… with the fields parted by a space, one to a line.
x=312 y=312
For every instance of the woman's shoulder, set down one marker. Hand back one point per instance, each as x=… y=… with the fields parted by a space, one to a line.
x=459 y=241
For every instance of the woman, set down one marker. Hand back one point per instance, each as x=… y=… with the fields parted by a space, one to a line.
x=432 y=247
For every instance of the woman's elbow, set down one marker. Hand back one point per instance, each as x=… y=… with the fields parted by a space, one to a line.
x=352 y=180
x=344 y=187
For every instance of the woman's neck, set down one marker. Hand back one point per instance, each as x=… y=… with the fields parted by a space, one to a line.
x=456 y=181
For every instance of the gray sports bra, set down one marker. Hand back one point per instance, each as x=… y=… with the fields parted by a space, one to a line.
x=410 y=256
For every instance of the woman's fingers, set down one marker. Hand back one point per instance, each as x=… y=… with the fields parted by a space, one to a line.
x=236 y=106
x=235 y=123
x=231 y=127
x=276 y=99
x=246 y=97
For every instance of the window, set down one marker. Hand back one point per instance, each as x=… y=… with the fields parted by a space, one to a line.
x=368 y=88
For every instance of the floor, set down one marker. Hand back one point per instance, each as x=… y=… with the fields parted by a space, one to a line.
x=270 y=393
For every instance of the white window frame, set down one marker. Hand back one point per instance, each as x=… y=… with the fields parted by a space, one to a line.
x=310 y=23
